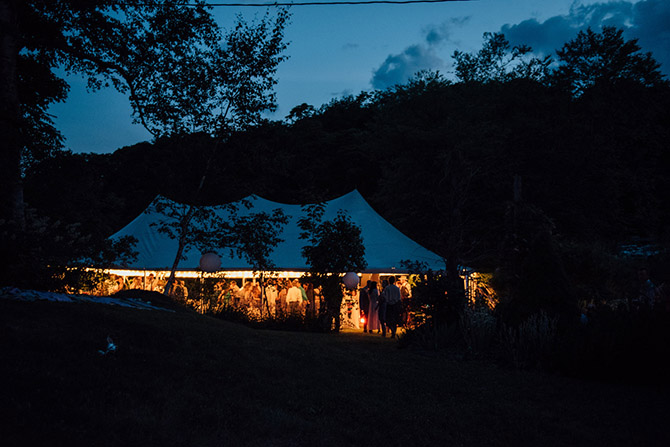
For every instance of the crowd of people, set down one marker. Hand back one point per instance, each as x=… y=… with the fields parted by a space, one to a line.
x=115 y=283
x=384 y=308
x=279 y=296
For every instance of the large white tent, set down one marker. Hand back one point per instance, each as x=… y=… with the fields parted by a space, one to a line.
x=385 y=246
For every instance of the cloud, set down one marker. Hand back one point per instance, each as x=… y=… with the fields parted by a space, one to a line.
x=350 y=46
x=437 y=34
x=543 y=37
x=651 y=25
x=646 y=20
x=399 y=68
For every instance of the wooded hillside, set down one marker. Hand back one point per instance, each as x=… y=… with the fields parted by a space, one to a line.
x=474 y=170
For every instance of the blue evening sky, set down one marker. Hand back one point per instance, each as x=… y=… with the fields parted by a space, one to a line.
x=343 y=50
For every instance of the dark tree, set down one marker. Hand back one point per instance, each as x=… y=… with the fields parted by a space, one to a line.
x=499 y=61
x=604 y=59
x=180 y=73
x=103 y=40
x=335 y=247
x=219 y=229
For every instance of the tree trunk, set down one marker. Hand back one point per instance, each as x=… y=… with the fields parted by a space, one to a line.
x=455 y=291
x=264 y=297
x=186 y=221
x=11 y=188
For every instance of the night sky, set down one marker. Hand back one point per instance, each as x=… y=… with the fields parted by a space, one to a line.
x=342 y=50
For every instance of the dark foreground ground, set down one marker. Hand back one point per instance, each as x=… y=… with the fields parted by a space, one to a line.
x=181 y=379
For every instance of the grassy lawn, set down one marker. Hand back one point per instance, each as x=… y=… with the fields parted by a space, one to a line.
x=179 y=378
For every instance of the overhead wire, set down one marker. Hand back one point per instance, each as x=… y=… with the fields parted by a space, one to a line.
x=326 y=3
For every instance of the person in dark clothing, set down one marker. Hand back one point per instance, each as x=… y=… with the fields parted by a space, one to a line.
x=364 y=305
x=373 y=317
x=311 y=305
x=391 y=295
x=381 y=309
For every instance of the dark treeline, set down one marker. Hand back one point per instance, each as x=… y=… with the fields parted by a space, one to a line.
x=474 y=170
x=596 y=167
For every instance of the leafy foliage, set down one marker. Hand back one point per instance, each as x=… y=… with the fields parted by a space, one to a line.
x=604 y=59
x=246 y=66
x=181 y=73
x=256 y=235
x=335 y=247
x=435 y=302
x=38 y=89
x=497 y=61
x=219 y=228
x=194 y=226
x=52 y=255
x=252 y=237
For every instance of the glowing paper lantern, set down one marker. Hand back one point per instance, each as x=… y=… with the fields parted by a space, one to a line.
x=350 y=280
x=362 y=320
x=210 y=262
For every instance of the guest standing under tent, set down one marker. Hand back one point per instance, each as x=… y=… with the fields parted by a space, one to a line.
x=406 y=295
x=373 y=318
x=381 y=308
x=294 y=297
x=309 y=291
x=393 y=301
x=281 y=305
x=364 y=305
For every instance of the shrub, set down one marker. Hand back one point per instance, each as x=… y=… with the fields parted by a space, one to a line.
x=284 y=321
x=45 y=254
x=541 y=286
x=434 y=337
x=433 y=296
x=597 y=274
x=478 y=326
x=532 y=343
x=232 y=313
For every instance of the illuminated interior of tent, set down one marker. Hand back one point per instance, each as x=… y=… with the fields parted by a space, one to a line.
x=235 y=282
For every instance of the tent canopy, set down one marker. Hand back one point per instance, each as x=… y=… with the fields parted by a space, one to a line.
x=385 y=246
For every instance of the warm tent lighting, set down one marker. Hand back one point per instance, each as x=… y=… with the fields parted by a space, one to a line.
x=362 y=320
x=244 y=274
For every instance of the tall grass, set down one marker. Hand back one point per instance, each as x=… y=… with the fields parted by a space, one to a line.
x=280 y=320
x=478 y=326
x=532 y=343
